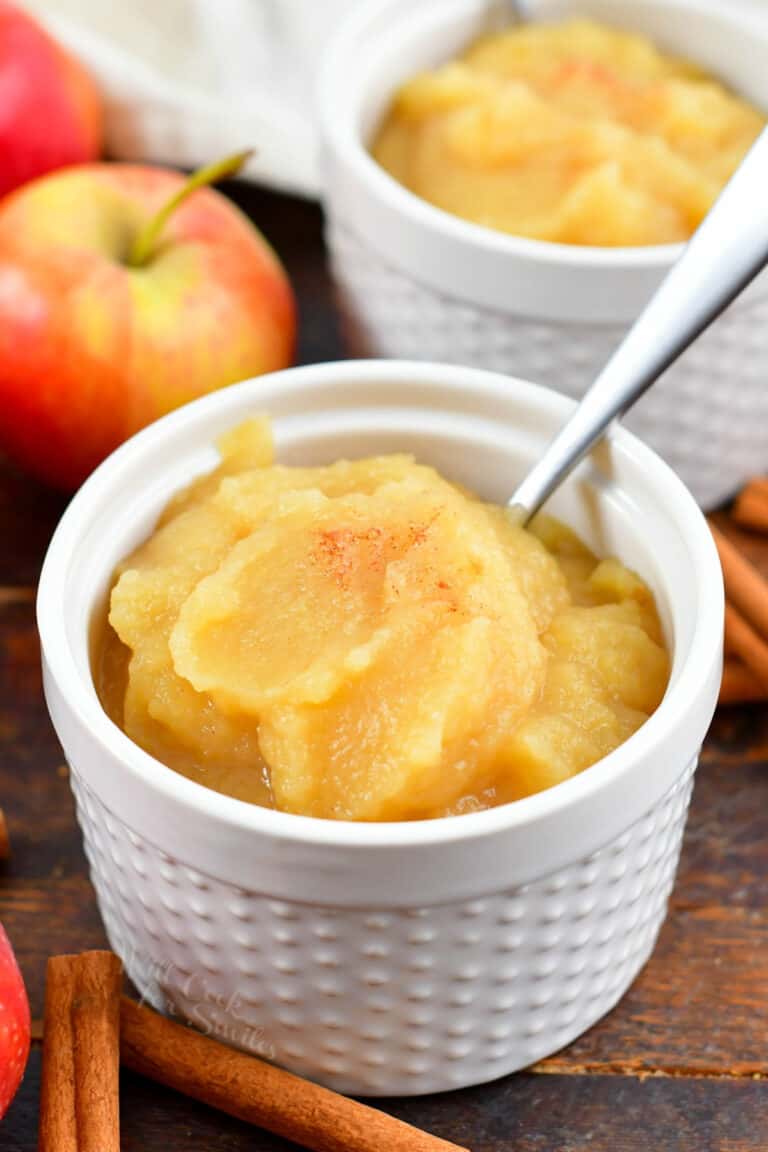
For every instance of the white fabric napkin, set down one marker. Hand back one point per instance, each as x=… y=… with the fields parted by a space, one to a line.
x=186 y=81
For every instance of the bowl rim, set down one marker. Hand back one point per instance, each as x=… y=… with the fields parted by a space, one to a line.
x=692 y=686
x=384 y=188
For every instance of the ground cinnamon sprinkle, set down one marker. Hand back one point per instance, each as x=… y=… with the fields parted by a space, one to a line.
x=417 y=533
x=340 y=551
x=344 y=551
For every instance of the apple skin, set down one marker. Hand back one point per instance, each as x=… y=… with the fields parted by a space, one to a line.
x=50 y=109
x=14 y=1024
x=91 y=349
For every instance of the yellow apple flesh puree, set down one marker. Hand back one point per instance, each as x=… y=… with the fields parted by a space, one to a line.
x=574 y=132
x=366 y=641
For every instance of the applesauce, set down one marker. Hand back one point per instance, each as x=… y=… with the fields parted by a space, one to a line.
x=367 y=641
x=574 y=132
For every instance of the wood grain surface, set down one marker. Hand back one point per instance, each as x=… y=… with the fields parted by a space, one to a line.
x=680 y=1064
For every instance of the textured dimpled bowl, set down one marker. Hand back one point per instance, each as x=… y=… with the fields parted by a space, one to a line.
x=388 y=958
x=414 y=281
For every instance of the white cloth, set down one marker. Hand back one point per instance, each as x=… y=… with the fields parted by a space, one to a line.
x=188 y=81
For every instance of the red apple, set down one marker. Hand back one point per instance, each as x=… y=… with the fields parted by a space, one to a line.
x=14 y=1024
x=50 y=110
x=113 y=311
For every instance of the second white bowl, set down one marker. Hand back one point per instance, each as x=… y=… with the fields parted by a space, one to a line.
x=388 y=958
x=416 y=282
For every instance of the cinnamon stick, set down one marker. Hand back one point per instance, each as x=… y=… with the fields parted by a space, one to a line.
x=745 y=586
x=751 y=506
x=5 y=841
x=740 y=685
x=79 y=1090
x=747 y=643
x=259 y=1093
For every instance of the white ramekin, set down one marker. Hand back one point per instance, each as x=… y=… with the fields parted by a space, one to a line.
x=389 y=958
x=417 y=282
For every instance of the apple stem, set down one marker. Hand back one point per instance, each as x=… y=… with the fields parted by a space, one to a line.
x=146 y=239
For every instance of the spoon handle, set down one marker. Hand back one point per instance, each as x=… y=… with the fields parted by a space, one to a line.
x=502 y=15
x=724 y=254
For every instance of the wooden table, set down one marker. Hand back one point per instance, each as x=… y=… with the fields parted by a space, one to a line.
x=681 y=1064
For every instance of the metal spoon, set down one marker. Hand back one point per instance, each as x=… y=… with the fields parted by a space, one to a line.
x=722 y=257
